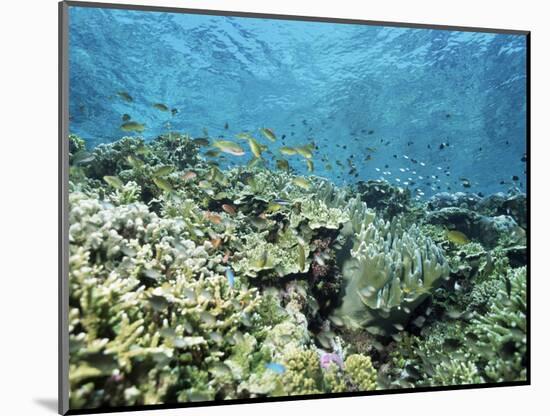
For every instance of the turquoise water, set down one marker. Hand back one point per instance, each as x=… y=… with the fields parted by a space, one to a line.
x=431 y=110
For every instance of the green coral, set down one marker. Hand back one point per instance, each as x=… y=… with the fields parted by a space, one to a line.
x=361 y=372
x=491 y=347
x=454 y=373
x=390 y=272
x=502 y=331
x=303 y=373
x=76 y=144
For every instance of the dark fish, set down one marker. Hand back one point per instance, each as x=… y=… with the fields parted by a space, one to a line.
x=212 y=153
x=126 y=117
x=226 y=125
x=451 y=344
x=159 y=303
x=125 y=96
x=161 y=107
x=174 y=111
x=201 y=141
x=508 y=285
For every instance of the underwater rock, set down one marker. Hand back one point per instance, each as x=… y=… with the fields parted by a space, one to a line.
x=491 y=229
x=390 y=200
x=501 y=204
x=459 y=200
x=516 y=206
x=76 y=144
x=487 y=230
x=455 y=218
x=492 y=204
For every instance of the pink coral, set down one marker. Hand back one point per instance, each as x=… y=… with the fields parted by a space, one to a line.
x=330 y=357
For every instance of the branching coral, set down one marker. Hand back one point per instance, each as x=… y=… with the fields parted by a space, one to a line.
x=502 y=332
x=146 y=306
x=361 y=372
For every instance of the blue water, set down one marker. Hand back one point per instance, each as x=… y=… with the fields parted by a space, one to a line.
x=453 y=102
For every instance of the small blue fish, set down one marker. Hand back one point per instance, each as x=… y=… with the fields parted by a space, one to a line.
x=230 y=277
x=281 y=201
x=276 y=367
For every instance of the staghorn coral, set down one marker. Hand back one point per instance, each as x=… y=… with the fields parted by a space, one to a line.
x=491 y=347
x=502 y=331
x=390 y=272
x=146 y=308
x=454 y=373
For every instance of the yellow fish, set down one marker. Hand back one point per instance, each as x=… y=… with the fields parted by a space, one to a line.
x=134 y=162
x=255 y=147
x=289 y=151
x=301 y=182
x=457 y=237
x=282 y=164
x=133 y=126
x=163 y=171
x=304 y=151
x=243 y=136
x=230 y=147
x=269 y=134
x=309 y=164
x=163 y=184
x=114 y=181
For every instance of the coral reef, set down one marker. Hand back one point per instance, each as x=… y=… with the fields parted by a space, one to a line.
x=193 y=281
